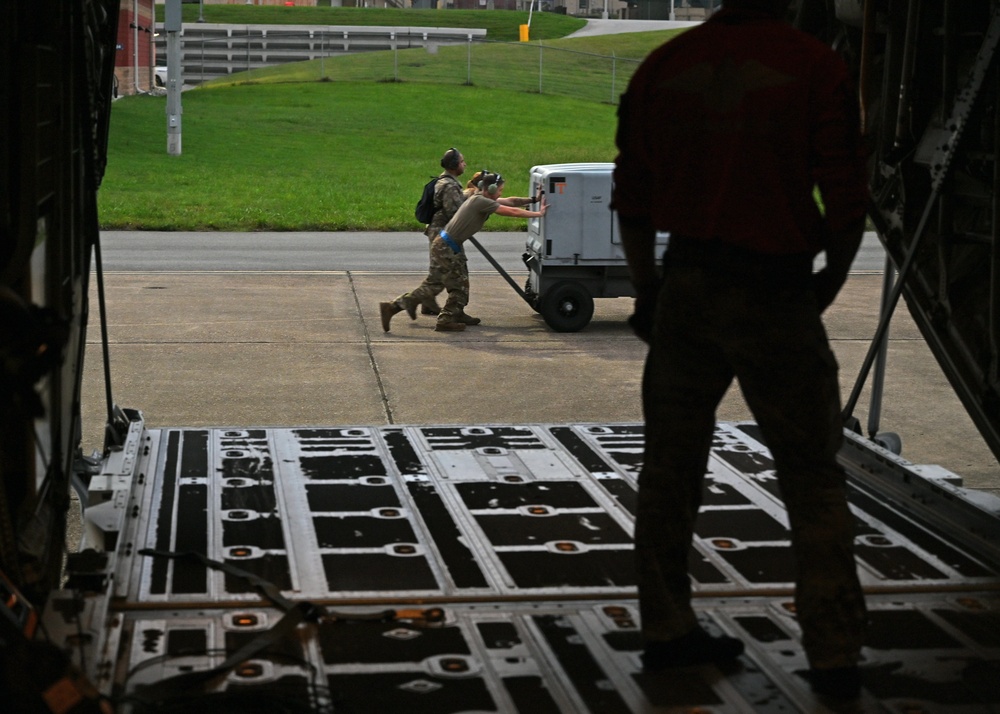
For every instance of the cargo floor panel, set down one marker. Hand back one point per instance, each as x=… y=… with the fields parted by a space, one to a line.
x=935 y=654
x=476 y=513
x=489 y=569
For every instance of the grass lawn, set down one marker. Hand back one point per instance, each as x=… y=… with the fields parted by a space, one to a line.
x=329 y=156
x=321 y=145
x=593 y=68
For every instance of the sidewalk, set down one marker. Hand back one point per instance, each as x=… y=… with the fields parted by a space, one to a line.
x=615 y=27
x=298 y=349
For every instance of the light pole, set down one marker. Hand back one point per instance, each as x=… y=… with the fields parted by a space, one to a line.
x=172 y=26
x=201 y=10
x=604 y=15
x=671 y=10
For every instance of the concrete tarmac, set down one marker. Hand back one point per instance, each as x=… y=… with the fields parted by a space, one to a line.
x=246 y=349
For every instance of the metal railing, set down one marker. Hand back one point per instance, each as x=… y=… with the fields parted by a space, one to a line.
x=408 y=55
x=225 y=49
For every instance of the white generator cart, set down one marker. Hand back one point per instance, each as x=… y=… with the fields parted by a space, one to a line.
x=574 y=254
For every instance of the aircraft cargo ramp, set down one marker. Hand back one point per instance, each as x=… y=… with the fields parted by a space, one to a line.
x=488 y=569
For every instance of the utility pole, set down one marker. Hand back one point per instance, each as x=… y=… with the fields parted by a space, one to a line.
x=172 y=26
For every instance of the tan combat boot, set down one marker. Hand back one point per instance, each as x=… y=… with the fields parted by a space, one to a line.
x=387 y=310
x=467 y=319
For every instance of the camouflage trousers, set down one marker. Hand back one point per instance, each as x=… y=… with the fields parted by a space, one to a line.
x=434 y=289
x=710 y=329
x=448 y=271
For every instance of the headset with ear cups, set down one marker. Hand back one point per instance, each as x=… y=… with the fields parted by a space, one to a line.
x=490 y=183
x=451 y=158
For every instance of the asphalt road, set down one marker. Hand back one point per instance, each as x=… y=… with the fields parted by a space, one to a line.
x=145 y=251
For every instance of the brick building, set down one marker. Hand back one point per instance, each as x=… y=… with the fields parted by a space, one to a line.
x=135 y=56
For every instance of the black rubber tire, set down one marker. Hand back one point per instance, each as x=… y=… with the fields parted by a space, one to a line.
x=566 y=307
x=890 y=441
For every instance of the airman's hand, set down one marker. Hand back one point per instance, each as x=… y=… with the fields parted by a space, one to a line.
x=642 y=319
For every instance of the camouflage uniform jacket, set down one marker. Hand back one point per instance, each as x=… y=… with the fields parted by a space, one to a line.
x=448 y=197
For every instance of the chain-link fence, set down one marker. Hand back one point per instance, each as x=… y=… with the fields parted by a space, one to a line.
x=320 y=55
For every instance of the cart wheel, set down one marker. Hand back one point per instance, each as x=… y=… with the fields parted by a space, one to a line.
x=889 y=440
x=566 y=307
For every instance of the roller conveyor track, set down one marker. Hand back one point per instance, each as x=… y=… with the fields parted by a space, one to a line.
x=521 y=535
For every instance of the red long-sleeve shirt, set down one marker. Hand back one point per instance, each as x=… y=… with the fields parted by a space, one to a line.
x=726 y=129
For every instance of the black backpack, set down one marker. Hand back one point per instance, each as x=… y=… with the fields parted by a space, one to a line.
x=425 y=206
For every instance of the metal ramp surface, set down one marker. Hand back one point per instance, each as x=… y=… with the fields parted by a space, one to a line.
x=520 y=538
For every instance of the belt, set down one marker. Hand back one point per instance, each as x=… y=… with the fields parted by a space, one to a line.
x=449 y=242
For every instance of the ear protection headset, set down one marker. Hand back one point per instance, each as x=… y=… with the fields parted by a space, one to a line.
x=491 y=183
x=451 y=159
x=474 y=181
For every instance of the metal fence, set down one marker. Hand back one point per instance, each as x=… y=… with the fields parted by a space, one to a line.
x=409 y=57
